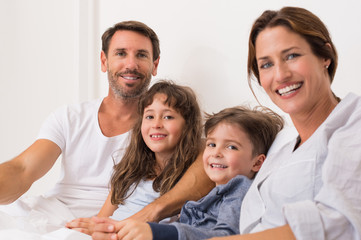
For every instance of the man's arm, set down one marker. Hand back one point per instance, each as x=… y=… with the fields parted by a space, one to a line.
x=18 y=174
x=192 y=186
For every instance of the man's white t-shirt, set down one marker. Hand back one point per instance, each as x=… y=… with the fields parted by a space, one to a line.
x=88 y=156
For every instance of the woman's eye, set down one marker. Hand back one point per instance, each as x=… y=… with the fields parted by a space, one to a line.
x=292 y=56
x=266 y=65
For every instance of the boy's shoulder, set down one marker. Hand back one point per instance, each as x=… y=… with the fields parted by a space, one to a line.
x=236 y=187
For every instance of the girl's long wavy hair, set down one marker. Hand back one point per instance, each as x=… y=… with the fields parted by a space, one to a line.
x=139 y=161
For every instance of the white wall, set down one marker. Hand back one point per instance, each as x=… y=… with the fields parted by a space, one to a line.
x=39 y=70
x=49 y=53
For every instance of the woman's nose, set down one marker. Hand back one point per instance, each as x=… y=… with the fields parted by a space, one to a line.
x=282 y=72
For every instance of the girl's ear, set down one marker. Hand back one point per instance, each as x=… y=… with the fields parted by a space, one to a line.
x=258 y=162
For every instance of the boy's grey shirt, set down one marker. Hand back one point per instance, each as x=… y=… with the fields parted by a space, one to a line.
x=216 y=214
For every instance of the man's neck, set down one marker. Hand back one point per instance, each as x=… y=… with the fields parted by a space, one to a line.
x=117 y=116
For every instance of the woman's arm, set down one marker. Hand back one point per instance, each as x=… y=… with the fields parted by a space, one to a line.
x=283 y=232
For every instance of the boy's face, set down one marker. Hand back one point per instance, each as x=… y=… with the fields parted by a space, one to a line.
x=228 y=153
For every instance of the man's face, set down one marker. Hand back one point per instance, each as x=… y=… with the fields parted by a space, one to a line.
x=129 y=64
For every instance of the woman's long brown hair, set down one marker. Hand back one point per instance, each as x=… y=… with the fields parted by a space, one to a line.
x=139 y=162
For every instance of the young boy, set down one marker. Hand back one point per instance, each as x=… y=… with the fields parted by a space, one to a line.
x=238 y=140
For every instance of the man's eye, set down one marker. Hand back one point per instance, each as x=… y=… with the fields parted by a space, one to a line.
x=122 y=54
x=142 y=55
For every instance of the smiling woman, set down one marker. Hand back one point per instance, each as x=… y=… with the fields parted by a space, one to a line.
x=294 y=77
x=297 y=193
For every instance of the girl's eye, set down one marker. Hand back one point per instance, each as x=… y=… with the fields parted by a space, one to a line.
x=149 y=117
x=266 y=65
x=211 y=144
x=168 y=117
x=232 y=147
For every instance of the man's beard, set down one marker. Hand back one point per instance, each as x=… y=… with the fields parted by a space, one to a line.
x=121 y=92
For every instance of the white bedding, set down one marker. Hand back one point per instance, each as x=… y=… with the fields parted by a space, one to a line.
x=37 y=218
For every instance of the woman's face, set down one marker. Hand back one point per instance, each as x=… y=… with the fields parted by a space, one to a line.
x=294 y=78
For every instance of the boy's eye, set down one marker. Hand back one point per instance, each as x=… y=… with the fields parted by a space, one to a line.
x=232 y=147
x=168 y=117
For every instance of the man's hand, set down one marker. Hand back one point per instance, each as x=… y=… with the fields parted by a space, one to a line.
x=84 y=225
x=149 y=213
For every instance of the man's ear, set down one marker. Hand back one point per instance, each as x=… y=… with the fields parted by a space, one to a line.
x=155 y=66
x=103 y=61
x=258 y=162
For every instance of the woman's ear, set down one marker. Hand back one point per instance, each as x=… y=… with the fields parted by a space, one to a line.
x=328 y=60
x=258 y=161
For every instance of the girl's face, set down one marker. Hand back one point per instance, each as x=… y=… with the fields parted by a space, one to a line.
x=228 y=153
x=294 y=78
x=162 y=128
